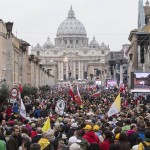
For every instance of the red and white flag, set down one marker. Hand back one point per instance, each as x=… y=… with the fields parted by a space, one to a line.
x=78 y=99
x=71 y=92
x=97 y=94
x=20 y=88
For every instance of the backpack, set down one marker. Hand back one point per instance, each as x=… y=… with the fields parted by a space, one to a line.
x=145 y=146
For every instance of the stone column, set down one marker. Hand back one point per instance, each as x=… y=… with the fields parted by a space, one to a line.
x=121 y=74
x=81 y=73
x=59 y=70
x=74 y=70
x=79 y=70
x=114 y=71
x=62 y=68
x=37 y=75
x=66 y=70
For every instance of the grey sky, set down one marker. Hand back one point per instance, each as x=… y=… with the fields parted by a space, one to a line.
x=110 y=21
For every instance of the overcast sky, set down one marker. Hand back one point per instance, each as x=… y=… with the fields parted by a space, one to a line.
x=110 y=21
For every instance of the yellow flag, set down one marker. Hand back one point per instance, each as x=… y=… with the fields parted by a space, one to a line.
x=47 y=125
x=115 y=107
x=118 y=102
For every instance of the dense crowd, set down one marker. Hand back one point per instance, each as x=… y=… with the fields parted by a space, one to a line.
x=81 y=127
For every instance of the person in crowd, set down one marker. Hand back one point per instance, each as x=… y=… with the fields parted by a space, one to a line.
x=132 y=134
x=4 y=125
x=37 y=113
x=36 y=138
x=15 y=108
x=13 y=142
x=61 y=144
x=126 y=127
x=73 y=127
x=45 y=143
x=146 y=142
x=3 y=145
x=8 y=111
x=35 y=146
x=108 y=140
x=139 y=140
x=90 y=136
x=74 y=146
x=81 y=141
x=123 y=143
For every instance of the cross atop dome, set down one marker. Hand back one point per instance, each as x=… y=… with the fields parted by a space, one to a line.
x=71 y=13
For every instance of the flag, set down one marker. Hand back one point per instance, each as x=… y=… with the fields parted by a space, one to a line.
x=115 y=107
x=20 y=88
x=78 y=97
x=59 y=108
x=71 y=92
x=22 y=108
x=96 y=94
x=47 y=125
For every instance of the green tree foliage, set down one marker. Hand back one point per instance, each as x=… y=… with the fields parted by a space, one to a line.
x=43 y=88
x=28 y=90
x=4 y=93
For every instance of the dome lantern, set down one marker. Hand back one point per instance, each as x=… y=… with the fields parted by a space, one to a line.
x=71 y=13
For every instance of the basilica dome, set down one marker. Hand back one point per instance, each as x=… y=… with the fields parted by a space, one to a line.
x=94 y=42
x=48 y=44
x=71 y=26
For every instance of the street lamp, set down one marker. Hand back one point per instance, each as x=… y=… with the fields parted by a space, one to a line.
x=24 y=47
x=9 y=26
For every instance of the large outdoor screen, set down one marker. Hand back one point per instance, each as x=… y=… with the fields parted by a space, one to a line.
x=141 y=80
x=111 y=83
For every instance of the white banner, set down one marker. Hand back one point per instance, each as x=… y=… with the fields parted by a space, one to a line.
x=22 y=108
x=60 y=106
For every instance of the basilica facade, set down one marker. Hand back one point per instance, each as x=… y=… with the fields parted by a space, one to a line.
x=73 y=56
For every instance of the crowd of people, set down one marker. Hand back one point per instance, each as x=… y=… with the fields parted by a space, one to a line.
x=81 y=127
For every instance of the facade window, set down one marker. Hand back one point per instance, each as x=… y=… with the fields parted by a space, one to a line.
x=76 y=53
x=65 y=41
x=71 y=41
x=64 y=53
x=103 y=52
x=77 y=41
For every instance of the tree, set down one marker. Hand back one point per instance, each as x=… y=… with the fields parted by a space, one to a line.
x=4 y=93
x=43 y=88
x=33 y=90
x=28 y=90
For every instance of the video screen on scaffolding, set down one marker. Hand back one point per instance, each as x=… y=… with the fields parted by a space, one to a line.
x=141 y=80
x=111 y=83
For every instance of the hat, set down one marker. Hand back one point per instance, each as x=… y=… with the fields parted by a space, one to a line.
x=87 y=127
x=72 y=139
x=96 y=128
x=74 y=146
x=64 y=136
x=117 y=136
x=74 y=125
